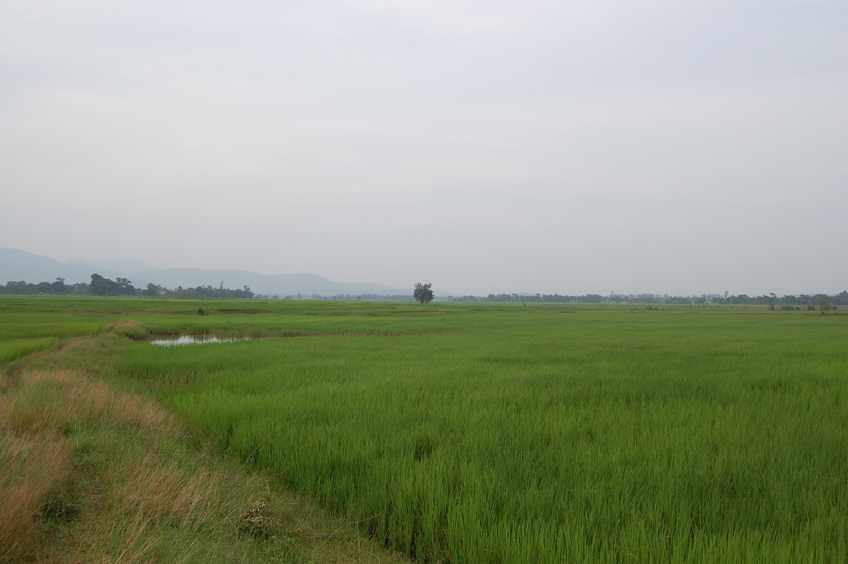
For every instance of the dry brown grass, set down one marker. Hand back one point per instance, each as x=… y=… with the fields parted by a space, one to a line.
x=34 y=477
x=56 y=400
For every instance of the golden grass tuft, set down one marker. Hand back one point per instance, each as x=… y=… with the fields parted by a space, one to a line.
x=61 y=377
x=58 y=400
x=34 y=476
x=144 y=414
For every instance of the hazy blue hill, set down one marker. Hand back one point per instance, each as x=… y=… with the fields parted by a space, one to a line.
x=116 y=265
x=16 y=265
x=20 y=265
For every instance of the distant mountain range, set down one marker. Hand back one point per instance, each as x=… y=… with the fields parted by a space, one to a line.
x=18 y=265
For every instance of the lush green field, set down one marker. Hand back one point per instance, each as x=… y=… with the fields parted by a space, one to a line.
x=504 y=433
x=91 y=473
x=28 y=325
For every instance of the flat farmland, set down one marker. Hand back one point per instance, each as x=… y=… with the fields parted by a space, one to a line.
x=538 y=433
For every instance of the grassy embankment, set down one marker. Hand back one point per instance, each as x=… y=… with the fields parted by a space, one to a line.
x=537 y=434
x=92 y=473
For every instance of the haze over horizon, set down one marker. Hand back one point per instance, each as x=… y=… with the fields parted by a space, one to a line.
x=642 y=146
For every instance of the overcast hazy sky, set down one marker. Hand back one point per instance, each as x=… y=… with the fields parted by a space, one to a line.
x=678 y=147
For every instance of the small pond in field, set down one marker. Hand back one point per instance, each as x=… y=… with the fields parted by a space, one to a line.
x=193 y=340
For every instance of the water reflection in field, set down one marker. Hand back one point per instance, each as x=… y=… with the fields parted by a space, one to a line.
x=193 y=340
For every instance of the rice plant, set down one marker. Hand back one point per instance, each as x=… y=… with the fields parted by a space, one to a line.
x=542 y=434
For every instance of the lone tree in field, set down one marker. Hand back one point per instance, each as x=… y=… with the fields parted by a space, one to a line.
x=422 y=292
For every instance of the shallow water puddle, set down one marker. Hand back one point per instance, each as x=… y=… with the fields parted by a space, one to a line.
x=193 y=340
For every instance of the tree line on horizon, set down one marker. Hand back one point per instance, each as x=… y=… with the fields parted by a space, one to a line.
x=100 y=286
x=771 y=300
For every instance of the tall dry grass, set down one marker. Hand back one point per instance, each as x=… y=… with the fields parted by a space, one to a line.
x=59 y=400
x=34 y=478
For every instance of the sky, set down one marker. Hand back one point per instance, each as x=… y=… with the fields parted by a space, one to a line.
x=629 y=146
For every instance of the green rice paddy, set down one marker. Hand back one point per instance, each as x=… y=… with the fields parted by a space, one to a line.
x=539 y=433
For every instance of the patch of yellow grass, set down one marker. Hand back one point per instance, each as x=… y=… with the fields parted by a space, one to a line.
x=34 y=474
x=57 y=400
